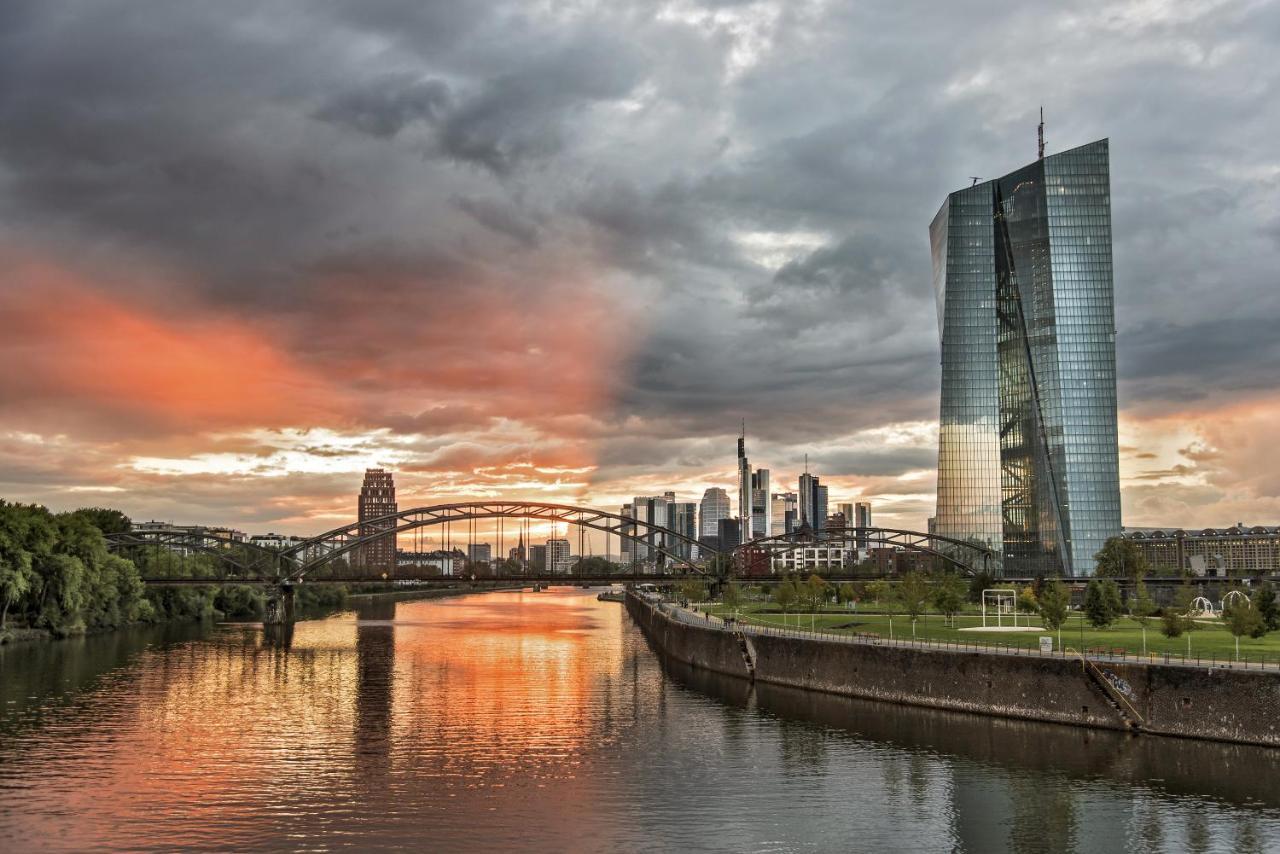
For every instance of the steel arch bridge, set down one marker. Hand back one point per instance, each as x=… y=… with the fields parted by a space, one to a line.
x=243 y=562
x=331 y=545
x=238 y=560
x=968 y=558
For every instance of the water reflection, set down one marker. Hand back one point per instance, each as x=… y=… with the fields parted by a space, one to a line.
x=543 y=721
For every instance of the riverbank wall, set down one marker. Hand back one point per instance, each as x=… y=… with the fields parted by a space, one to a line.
x=1219 y=704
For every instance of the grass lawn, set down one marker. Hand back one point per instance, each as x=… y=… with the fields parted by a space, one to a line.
x=1211 y=638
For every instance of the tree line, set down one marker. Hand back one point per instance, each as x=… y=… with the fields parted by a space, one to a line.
x=57 y=575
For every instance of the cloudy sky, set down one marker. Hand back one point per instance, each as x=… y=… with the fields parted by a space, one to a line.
x=556 y=251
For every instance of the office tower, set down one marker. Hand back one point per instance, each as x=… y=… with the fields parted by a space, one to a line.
x=651 y=509
x=730 y=534
x=1027 y=456
x=783 y=512
x=558 y=559
x=820 y=506
x=714 y=507
x=808 y=488
x=744 y=486
x=682 y=518
x=537 y=558
x=377 y=499
x=761 y=517
x=862 y=519
x=479 y=552
x=626 y=547
x=845 y=509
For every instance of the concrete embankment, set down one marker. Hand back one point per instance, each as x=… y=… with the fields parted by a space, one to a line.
x=1195 y=702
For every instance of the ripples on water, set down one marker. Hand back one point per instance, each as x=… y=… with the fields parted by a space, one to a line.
x=544 y=722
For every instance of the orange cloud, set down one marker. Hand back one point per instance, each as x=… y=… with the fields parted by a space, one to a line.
x=68 y=346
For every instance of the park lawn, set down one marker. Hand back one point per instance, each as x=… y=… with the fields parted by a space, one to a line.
x=1210 y=640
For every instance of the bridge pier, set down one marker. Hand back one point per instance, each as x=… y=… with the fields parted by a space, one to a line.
x=280 y=606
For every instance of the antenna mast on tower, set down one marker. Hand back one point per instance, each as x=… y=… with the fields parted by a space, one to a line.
x=1040 y=134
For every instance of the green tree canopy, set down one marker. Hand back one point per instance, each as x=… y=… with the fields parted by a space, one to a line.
x=1121 y=558
x=1054 y=604
x=949 y=596
x=913 y=594
x=1102 y=603
x=1264 y=600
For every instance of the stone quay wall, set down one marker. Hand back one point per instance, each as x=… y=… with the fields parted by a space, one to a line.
x=1219 y=704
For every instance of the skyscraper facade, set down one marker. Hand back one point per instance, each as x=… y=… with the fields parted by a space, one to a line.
x=861 y=519
x=682 y=517
x=744 y=487
x=377 y=499
x=783 y=506
x=761 y=517
x=713 y=508
x=1027 y=459
x=810 y=512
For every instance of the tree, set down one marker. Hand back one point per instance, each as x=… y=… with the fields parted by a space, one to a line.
x=1054 y=603
x=877 y=590
x=1102 y=603
x=1120 y=558
x=105 y=519
x=814 y=592
x=1026 y=601
x=1141 y=608
x=1264 y=600
x=692 y=591
x=981 y=581
x=784 y=593
x=1243 y=619
x=847 y=593
x=949 y=597
x=731 y=595
x=913 y=593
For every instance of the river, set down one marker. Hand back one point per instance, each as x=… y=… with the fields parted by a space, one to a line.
x=543 y=721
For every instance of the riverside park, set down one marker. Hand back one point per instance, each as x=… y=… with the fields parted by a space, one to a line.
x=1173 y=632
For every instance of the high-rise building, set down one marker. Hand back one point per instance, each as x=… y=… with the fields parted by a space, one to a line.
x=713 y=508
x=537 y=558
x=730 y=534
x=744 y=486
x=1027 y=457
x=558 y=556
x=682 y=517
x=761 y=515
x=626 y=547
x=809 y=502
x=820 y=505
x=377 y=499
x=479 y=552
x=783 y=510
x=653 y=510
x=862 y=519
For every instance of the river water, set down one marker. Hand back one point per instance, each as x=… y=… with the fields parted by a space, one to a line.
x=544 y=721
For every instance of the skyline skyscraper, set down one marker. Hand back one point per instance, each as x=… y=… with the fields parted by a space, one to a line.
x=761 y=517
x=377 y=499
x=1022 y=270
x=744 y=487
x=713 y=507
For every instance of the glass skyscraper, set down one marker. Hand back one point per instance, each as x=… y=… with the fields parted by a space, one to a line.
x=1027 y=458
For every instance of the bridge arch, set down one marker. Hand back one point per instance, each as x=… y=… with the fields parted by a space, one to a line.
x=243 y=561
x=966 y=557
x=331 y=545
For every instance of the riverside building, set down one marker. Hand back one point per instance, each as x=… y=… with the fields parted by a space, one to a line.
x=1022 y=272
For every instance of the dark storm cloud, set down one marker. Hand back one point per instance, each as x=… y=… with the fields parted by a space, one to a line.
x=749 y=185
